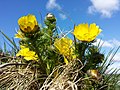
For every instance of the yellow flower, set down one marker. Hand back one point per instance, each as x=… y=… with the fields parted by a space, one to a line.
x=28 y=23
x=84 y=32
x=65 y=47
x=19 y=35
x=27 y=54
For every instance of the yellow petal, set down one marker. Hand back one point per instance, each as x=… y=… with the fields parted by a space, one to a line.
x=65 y=60
x=19 y=35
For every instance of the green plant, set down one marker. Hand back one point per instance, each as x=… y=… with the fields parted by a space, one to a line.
x=46 y=61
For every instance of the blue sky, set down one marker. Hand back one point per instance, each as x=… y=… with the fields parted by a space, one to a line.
x=104 y=13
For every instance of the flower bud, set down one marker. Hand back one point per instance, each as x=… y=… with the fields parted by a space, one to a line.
x=94 y=74
x=50 y=17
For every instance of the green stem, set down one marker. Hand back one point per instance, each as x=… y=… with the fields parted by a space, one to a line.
x=42 y=64
x=74 y=39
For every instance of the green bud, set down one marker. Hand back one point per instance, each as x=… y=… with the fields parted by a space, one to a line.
x=50 y=17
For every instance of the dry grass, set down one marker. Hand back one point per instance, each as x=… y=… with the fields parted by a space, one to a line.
x=18 y=78
x=22 y=77
x=67 y=78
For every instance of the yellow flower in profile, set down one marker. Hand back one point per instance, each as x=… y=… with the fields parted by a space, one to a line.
x=27 y=54
x=65 y=47
x=19 y=35
x=84 y=32
x=28 y=23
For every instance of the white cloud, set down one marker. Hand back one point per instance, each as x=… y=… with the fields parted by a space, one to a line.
x=105 y=7
x=109 y=43
x=52 y=4
x=117 y=57
x=115 y=42
x=111 y=68
x=62 y=16
x=115 y=63
x=103 y=43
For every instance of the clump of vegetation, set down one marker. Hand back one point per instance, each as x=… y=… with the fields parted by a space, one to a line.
x=46 y=61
